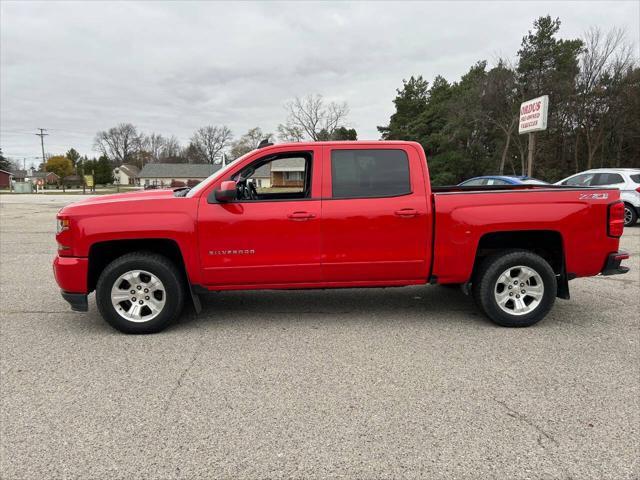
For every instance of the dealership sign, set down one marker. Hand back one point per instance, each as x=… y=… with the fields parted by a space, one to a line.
x=533 y=115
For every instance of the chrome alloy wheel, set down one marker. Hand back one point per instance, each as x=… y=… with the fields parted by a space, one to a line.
x=519 y=290
x=628 y=215
x=138 y=296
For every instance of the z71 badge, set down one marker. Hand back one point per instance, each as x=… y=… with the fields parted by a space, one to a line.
x=593 y=196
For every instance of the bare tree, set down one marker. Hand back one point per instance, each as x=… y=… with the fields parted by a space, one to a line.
x=192 y=154
x=154 y=144
x=604 y=61
x=211 y=141
x=290 y=133
x=249 y=141
x=311 y=116
x=120 y=144
x=171 y=149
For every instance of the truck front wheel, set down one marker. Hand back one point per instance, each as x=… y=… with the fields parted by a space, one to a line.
x=140 y=293
x=515 y=288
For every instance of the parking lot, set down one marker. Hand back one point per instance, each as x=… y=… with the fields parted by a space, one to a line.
x=364 y=383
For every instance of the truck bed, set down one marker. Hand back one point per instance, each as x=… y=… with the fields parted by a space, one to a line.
x=464 y=216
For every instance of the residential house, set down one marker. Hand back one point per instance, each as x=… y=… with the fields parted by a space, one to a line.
x=287 y=172
x=73 y=181
x=49 y=178
x=5 y=179
x=32 y=175
x=126 y=174
x=262 y=176
x=175 y=174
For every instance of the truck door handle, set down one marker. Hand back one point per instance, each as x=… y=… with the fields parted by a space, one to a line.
x=300 y=216
x=406 y=212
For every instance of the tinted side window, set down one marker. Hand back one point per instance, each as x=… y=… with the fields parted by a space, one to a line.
x=580 y=180
x=497 y=181
x=635 y=178
x=369 y=173
x=607 y=179
x=474 y=182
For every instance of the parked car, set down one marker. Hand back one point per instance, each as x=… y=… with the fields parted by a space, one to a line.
x=501 y=180
x=627 y=180
x=364 y=215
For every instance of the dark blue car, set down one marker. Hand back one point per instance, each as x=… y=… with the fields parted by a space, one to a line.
x=501 y=180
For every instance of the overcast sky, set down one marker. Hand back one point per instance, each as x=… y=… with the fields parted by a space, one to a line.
x=76 y=68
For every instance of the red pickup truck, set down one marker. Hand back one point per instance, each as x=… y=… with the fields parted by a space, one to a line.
x=333 y=215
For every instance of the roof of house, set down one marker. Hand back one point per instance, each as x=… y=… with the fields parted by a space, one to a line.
x=178 y=170
x=128 y=169
x=42 y=174
x=8 y=173
x=295 y=164
x=263 y=172
x=73 y=178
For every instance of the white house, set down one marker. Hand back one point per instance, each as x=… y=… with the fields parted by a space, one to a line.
x=126 y=174
x=166 y=174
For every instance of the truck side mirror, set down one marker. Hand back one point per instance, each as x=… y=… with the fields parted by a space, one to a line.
x=227 y=191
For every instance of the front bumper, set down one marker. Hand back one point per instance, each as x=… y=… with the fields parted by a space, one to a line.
x=71 y=273
x=612 y=265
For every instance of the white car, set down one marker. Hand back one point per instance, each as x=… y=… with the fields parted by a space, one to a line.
x=627 y=180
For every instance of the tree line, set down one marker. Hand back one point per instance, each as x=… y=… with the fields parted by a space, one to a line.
x=470 y=127
x=467 y=127
x=309 y=118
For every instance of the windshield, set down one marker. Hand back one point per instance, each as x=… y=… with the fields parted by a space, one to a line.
x=194 y=191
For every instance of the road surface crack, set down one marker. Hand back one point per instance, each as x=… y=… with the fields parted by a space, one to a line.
x=523 y=418
x=182 y=376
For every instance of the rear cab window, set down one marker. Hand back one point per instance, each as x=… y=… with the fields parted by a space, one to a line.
x=369 y=173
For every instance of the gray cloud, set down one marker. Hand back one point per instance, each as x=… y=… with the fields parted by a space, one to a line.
x=77 y=68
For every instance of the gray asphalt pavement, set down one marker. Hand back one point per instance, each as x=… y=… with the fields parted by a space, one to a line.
x=366 y=383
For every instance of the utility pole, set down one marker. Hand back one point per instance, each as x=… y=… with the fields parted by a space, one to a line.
x=42 y=135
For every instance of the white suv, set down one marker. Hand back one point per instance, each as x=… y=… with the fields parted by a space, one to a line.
x=625 y=179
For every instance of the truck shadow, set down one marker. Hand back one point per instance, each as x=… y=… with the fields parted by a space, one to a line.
x=416 y=303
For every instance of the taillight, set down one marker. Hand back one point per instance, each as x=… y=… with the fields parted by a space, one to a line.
x=638 y=189
x=615 y=224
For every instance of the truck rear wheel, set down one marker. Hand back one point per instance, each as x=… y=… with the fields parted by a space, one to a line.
x=515 y=288
x=140 y=293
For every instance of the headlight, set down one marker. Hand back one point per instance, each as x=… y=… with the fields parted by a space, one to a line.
x=62 y=225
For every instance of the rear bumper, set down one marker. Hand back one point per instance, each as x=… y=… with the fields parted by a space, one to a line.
x=612 y=265
x=71 y=273
x=78 y=301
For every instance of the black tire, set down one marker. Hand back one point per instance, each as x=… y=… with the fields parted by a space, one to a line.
x=486 y=280
x=630 y=215
x=157 y=265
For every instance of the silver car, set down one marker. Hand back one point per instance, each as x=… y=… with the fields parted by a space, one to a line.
x=627 y=180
